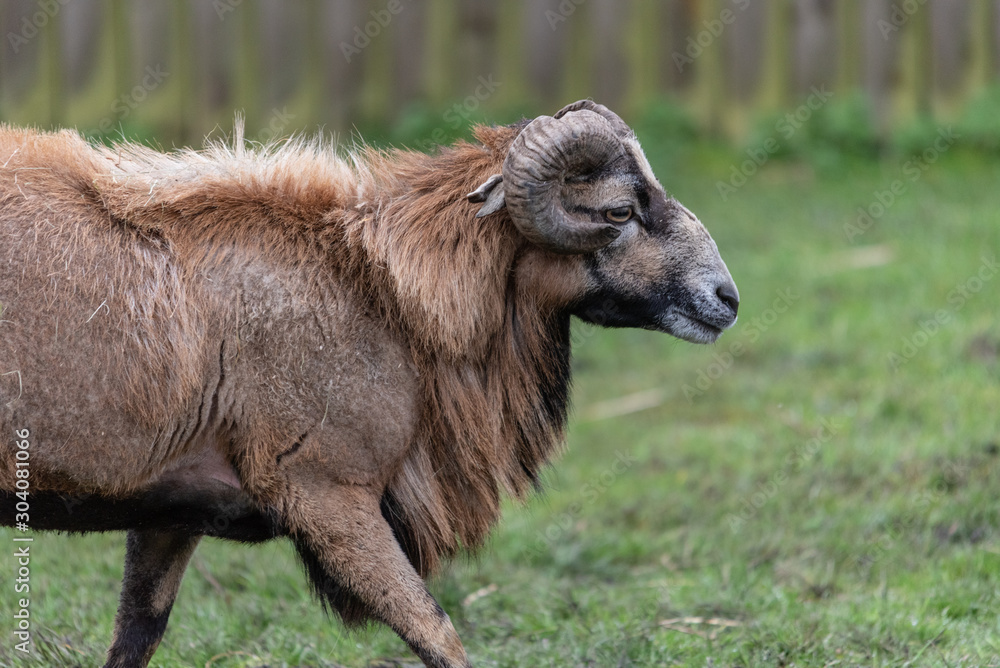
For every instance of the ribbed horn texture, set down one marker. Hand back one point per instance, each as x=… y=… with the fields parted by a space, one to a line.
x=544 y=155
x=620 y=127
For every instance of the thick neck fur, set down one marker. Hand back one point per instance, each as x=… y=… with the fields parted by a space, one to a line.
x=494 y=356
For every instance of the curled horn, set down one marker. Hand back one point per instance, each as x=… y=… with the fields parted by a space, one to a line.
x=620 y=127
x=547 y=151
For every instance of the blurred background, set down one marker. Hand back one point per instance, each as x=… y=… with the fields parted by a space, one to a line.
x=421 y=70
x=818 y=488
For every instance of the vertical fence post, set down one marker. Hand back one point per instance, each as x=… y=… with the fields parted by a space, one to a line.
x=441 y=19
x=120 y=38
x=409 y=54
x=248 y=67
x=312 y=81
x=577 y=76
x=849 y=46
x=511 y=63
x=4 y=45
x=982 y=56
x=994 y=39
x=776 y=78
x=180 y=58
x=376 y=95
x=922 y=44
x=53 y=70
x=545 y=23
x=709 y=72
x=643 y=54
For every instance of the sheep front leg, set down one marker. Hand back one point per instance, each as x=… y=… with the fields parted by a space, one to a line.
x=358 y=567
x=154 y=565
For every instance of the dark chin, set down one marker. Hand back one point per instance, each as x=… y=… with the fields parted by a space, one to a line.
x=620 y=320
x=611 y=312
x=685 y=328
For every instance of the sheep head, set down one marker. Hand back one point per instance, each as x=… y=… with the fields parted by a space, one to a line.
x=578 y=185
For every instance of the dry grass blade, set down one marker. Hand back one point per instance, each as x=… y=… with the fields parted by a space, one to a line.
x=478 y=594
x=200 y=567
x=224 y=655
x=630 y=403
x=686 y=624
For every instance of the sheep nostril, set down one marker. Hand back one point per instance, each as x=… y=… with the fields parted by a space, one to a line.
x=728 y=295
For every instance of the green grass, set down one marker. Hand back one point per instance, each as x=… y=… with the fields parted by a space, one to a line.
x=827 y=504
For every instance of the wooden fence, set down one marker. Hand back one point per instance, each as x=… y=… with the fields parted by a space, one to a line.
x=182 y=67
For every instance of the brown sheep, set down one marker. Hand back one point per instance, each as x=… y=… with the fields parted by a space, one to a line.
x=363 y=354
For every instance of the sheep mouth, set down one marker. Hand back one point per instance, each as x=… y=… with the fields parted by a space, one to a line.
x=691 y=328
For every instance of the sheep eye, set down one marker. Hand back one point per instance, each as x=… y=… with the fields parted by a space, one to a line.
x=621 y=214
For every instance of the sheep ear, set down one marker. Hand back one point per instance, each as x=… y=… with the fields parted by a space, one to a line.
x=490 y=192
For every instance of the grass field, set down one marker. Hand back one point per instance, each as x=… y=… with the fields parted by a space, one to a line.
x=813 y=490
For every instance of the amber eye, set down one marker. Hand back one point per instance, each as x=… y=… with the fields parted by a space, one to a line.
x=620 y=215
